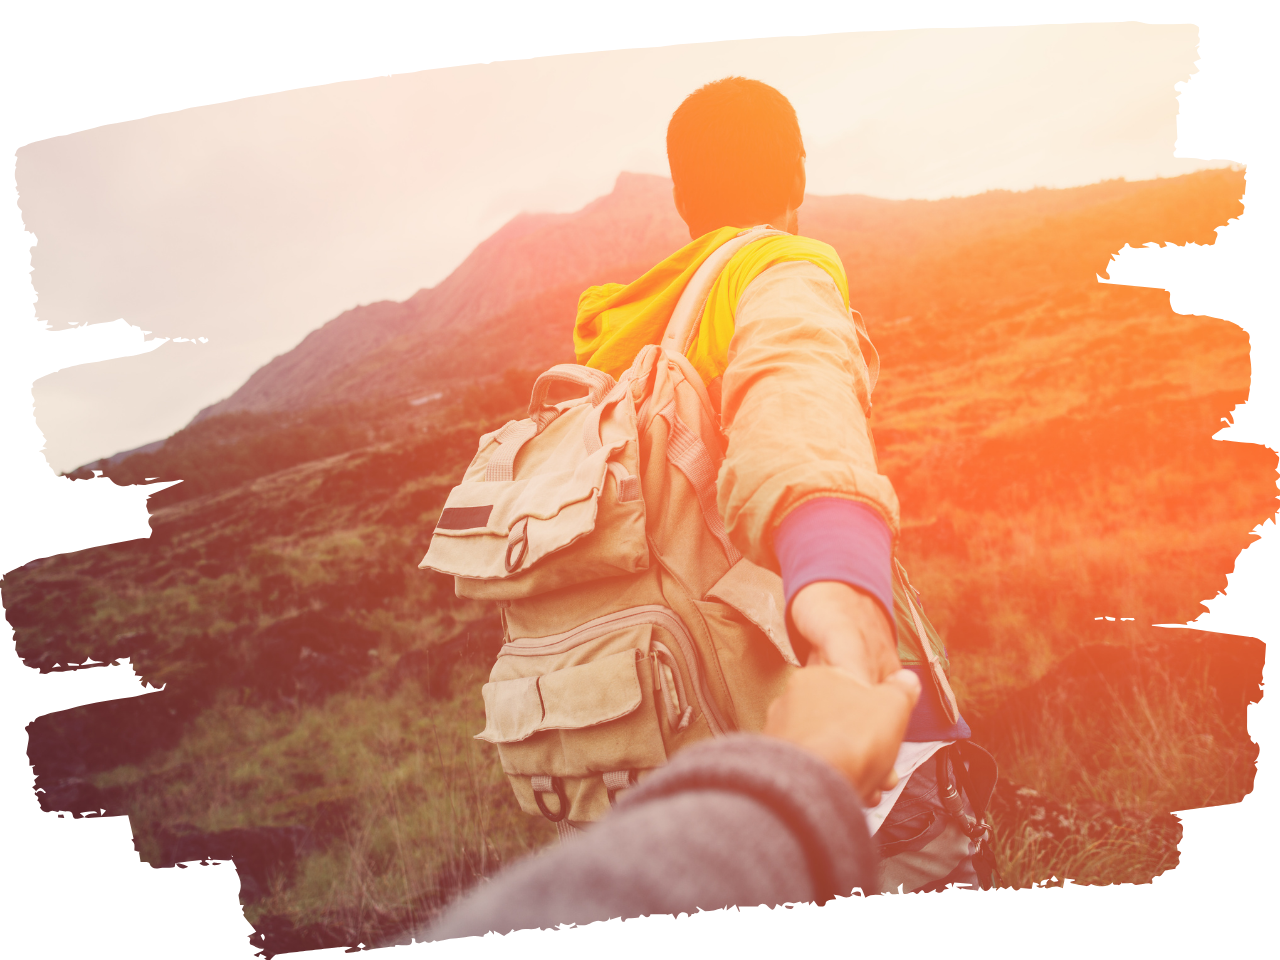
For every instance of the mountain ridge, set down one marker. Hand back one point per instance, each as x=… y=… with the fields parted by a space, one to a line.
x=539 y=262
x=509 y=265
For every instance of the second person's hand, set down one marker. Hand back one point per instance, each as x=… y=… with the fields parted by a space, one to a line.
x=854 y=727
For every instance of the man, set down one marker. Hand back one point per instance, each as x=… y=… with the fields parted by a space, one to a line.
x=791 y=371
x=721 y=824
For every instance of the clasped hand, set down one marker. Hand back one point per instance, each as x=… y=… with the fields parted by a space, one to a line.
x=851 y=703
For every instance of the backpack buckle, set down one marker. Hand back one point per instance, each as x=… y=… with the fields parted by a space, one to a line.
x=979 y=831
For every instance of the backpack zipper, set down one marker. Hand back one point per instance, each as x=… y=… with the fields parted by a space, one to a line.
x=664 y=663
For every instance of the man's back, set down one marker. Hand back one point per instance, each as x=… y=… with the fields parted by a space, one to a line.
x=791 y=371
x=740 y=468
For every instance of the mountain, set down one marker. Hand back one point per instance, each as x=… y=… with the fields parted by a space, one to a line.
x=528 y=274
x=1040 y=427
x=936 y=281
x=512 y=301
x=1050 y=439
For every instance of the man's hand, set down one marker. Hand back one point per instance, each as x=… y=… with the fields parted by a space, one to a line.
x=853 y=727
x=848 y=629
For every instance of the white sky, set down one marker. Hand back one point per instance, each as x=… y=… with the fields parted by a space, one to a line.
x=251 y=223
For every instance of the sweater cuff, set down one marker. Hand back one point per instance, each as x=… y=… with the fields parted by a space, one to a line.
x=830 y=538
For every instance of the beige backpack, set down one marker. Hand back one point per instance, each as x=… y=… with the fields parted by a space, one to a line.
x=632 y=625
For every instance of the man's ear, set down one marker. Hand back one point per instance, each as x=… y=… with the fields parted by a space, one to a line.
x=798 y=186
x=683 y=211
x=675 y=195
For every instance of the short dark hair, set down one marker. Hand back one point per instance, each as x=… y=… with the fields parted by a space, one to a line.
x=734 y=146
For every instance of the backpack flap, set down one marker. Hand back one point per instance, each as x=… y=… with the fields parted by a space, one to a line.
x=569 y=699
x=757 y=594
x=518 y=523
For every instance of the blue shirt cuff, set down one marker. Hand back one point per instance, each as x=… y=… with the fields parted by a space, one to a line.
x=928 y=721
x=834 y=539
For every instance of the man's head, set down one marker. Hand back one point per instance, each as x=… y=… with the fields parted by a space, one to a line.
x=736 y=156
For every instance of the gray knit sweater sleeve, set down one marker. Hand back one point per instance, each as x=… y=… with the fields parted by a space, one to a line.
x=737 y=821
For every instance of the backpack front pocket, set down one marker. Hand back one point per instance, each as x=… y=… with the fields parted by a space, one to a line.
x=580 y=715
x=575 y=698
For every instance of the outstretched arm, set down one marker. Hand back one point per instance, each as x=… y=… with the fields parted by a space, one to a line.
x=740 y=820
x=800 y=489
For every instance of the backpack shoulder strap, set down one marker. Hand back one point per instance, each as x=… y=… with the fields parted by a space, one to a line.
x=689 y=308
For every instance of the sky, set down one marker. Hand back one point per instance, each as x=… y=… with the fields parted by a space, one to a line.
x=235 y=229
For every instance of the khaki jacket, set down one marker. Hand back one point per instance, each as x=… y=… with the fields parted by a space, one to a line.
x=794 y=405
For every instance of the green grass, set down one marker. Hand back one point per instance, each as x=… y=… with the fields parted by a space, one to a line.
x=1146 y=749
x=421 y=808
x=1025 y=860
x=423 y=811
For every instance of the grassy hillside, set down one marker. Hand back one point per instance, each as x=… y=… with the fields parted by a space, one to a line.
x=1051 y=442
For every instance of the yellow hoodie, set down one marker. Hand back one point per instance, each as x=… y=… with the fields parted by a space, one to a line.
x=794 y=395
x=616 y=320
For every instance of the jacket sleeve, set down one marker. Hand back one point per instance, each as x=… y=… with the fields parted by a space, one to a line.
x=794 y=404
x=741 y=820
